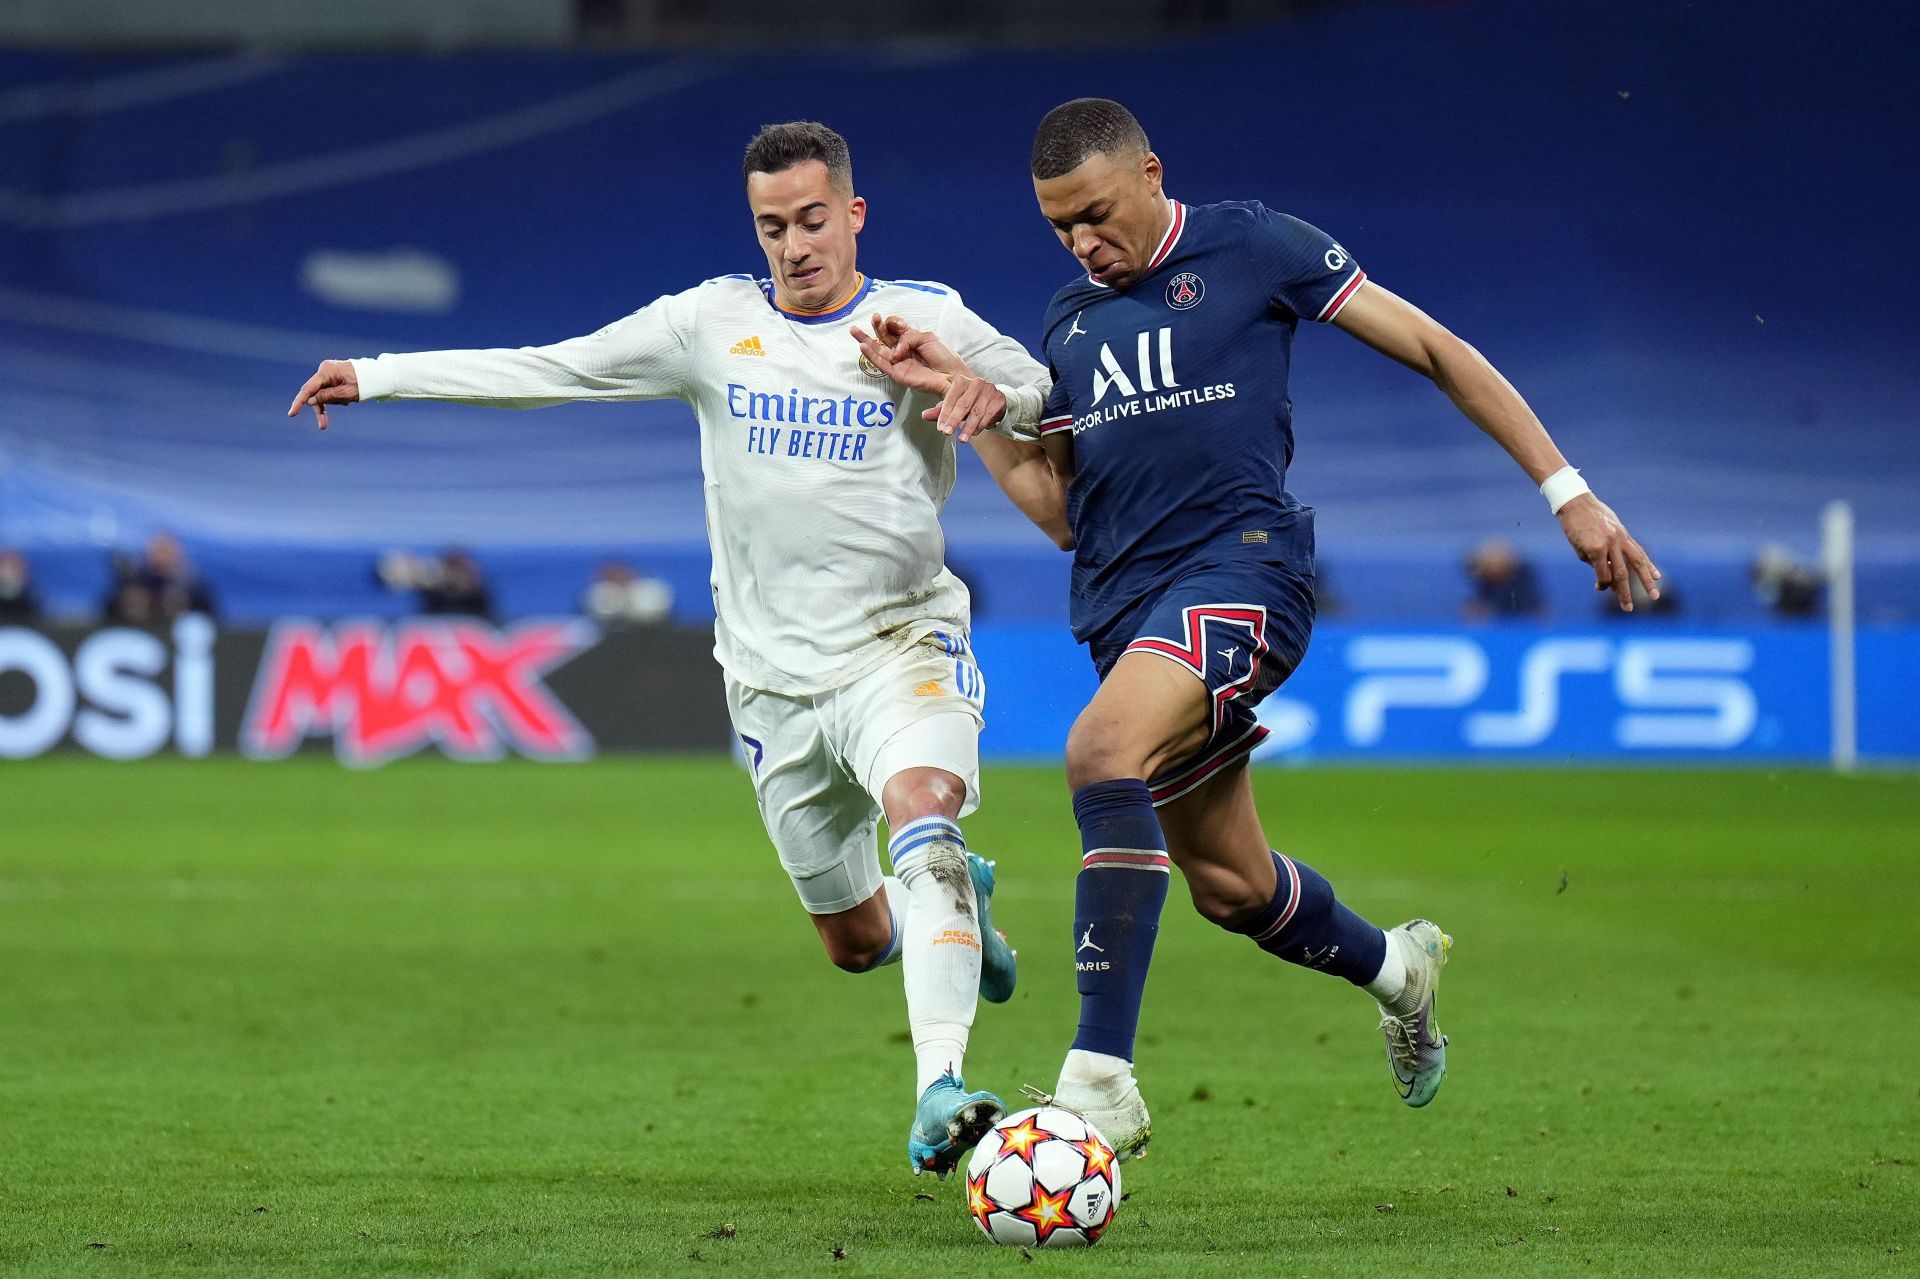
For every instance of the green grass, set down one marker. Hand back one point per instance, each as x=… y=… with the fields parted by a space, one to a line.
x=570 y=1020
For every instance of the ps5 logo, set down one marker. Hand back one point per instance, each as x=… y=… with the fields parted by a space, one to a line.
x=1675 y=694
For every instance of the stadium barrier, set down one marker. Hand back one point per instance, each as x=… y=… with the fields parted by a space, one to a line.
x=369 y=690
x=1655 y=692
x=562 y=689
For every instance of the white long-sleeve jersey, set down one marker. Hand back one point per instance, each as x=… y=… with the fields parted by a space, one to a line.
x=823 y=486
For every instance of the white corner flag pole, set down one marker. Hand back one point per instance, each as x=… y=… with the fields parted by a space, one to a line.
x=1836 y=550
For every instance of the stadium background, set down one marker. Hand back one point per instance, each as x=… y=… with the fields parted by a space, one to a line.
x=1678 y=229
x=435 y=1017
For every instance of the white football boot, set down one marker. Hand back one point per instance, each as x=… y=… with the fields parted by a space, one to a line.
x=1111 y=1103
x=1416 y=1050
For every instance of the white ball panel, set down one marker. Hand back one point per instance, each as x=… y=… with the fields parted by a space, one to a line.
x=1010 y=1183
x=1010 y=1230
x=985 y=1153
x=1057 y=1166
x=1063 y=1123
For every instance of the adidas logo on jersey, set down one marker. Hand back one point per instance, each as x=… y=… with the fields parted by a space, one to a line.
x=930 y=689
x=747 y=346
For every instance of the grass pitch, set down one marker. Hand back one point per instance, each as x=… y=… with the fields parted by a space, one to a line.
x=524 y=1020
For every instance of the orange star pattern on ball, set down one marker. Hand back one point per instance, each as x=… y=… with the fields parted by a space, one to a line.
x=977 y=1202
x=1022 y=1138
x=1047 y=1213
x=1099 y=1156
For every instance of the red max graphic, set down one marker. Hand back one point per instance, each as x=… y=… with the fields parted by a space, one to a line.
x=381 y=692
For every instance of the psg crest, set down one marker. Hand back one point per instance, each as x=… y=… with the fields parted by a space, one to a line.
x=1185 y=290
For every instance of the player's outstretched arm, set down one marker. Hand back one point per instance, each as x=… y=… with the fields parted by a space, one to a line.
x=1396 y=328
x=640 y=357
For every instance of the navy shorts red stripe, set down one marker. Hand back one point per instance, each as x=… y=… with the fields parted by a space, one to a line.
x=1241 y=627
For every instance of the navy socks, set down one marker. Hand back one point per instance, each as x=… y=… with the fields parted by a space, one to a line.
x=1306 y=924
x=1122 y=888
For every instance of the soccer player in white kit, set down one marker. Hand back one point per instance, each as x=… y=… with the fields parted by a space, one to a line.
x=843 y=636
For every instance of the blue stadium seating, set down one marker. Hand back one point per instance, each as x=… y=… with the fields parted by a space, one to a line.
x=1679 y=229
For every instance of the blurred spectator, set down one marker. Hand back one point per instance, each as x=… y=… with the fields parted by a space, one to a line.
x=1503 y=584
x=18 y=604
x=448 y=583
x=1784 y=584
x=619 y=596
x=156 y=588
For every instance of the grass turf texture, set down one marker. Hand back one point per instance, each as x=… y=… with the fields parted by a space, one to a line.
x=569 y=1020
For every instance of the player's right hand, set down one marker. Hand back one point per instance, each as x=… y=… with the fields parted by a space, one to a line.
x=896 y=349
x=332 y=383
x=919 y=360
x=1602 y=541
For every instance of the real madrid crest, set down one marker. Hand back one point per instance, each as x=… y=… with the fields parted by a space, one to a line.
x=1185 y=290
x=869 y=368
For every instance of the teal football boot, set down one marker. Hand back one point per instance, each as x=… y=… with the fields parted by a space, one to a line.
x=999 y=962
x=949 y=1122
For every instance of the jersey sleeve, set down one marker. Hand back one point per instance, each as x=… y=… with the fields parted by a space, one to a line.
x=1001 y=360
x=1057 y=414
x=1302 y=268
x=642 y=357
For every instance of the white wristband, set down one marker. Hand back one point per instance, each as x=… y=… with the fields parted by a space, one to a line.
x=1562 y=487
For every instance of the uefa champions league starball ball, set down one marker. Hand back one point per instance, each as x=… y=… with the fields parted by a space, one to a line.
x=1043 y=1178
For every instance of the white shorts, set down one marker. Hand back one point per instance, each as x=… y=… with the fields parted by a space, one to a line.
x=820 y=763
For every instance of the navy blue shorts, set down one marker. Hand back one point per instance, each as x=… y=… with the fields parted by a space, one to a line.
x=1242 y=627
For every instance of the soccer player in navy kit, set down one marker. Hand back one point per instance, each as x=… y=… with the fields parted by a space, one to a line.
x=1169 y=428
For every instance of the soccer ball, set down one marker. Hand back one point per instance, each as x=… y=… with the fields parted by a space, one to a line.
x=1043 y=1178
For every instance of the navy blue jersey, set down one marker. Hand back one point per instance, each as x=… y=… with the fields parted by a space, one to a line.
x=1175 y=389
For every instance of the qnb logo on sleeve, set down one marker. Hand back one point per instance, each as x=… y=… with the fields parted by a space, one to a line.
x=1150 y=385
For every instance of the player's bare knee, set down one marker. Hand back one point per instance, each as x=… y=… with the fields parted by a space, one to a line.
x=1225 y=900
x=922 y=792
x=854 y=957
x=855 y=951
x=1098 y=752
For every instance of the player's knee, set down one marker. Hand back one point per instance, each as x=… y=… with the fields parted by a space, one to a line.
x=856 y=954
x=924 y=792
x=1224 y=900
x=1098 y=752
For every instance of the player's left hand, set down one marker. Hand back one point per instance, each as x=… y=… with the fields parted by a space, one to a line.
x=1602 y=541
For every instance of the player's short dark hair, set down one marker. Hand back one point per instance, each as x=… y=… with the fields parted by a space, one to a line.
x=778 y=147
x=1084 y=127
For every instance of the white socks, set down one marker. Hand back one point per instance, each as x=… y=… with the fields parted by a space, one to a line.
x=1084 y=1067
x=940 y=951
x=1391 y=981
